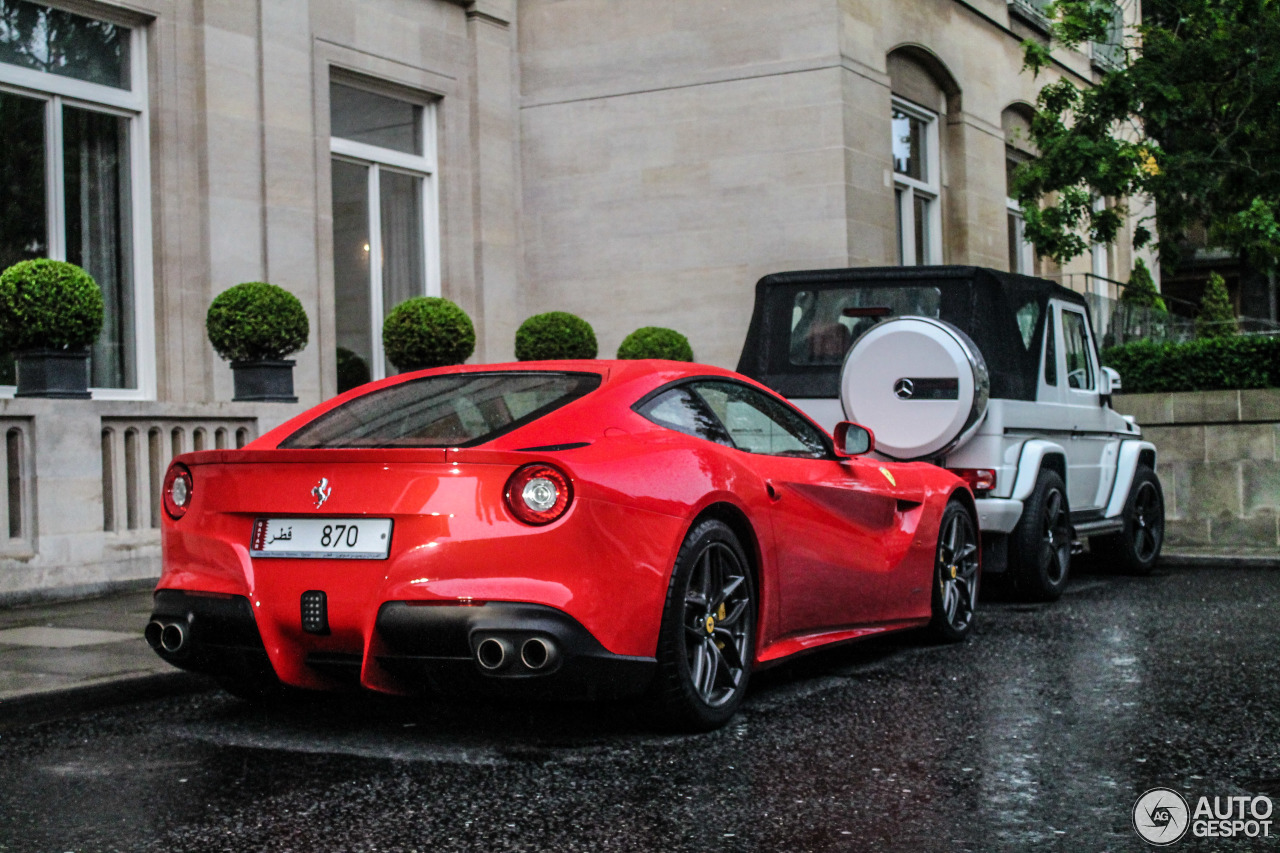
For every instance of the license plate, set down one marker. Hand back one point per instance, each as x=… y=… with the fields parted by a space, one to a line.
x=322 y=538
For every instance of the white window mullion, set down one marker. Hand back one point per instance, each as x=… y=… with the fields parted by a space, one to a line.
x=429 y=136
x=906 y=225
x=372 y=153
x=144 y=335
x=53 y=84
x=379 y=366
x=431 y=241
x=934 y=232
x=57 y=182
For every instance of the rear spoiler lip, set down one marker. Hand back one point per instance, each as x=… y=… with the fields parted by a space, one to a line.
x=375 y=455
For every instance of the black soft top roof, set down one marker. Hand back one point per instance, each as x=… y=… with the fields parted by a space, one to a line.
x=984 y=303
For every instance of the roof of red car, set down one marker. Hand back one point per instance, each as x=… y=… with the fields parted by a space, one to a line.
x=615 y=372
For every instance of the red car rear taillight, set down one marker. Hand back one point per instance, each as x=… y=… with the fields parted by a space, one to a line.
x=538 y=493
x=176 y=491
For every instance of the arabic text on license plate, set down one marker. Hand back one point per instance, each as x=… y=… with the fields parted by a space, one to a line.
x=322 y=538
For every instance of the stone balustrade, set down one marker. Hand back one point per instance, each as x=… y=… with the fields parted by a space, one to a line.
x=80 y=496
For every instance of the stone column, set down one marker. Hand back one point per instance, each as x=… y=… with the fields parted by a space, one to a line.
x=289 y=204
x=495 y=180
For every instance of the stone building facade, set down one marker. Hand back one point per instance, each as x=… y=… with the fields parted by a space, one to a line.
x=637 y=162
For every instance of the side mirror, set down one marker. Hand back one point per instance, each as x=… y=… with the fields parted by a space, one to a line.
x=1110 y=381
x=853 y=439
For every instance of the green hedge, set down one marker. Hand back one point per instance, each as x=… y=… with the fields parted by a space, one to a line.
x=427 y=331
x=256 y=321
x=1206 y=364
x=48 y=304
x=555 y=335
x=656 y=342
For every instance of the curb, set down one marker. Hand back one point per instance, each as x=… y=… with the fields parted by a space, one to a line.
x=1219 y=560
x=53 y=704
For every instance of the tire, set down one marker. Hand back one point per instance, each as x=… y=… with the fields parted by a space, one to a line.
x=1040 y=546
x=956 y=575
x=707 y=639
x=1136 y=549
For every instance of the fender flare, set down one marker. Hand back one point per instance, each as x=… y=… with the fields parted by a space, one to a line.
x=1030 y=461
x=1132 y=454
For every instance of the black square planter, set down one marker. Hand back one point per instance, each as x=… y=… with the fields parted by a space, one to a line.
x=264 y=381
x=60 y=374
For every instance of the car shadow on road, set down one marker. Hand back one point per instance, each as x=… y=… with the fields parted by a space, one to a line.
x=519 y=729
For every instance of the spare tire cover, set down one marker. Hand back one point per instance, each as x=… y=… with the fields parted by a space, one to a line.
x=919 y=384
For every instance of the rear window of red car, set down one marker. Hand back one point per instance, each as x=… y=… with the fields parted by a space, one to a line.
x=454 y=410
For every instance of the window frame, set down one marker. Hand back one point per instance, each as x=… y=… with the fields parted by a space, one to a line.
x=588 y=382
x=1023 y=255
x=57 y=91
x=906 y=189
x=1076 y=315
x=377 y=159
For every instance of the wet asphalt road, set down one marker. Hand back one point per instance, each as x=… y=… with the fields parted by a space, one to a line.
x=1039 y=733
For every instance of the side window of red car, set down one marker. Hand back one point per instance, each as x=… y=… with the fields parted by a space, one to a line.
x=683 y=411
x=758 y=423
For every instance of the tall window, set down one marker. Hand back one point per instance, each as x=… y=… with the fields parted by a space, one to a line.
x=1100 y=258
x=1109 y=52
x=917 y=184
x=385 y=245
x=73 y=172
x=1022 y=254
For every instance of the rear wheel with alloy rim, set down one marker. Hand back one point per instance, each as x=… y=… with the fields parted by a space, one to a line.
x=1040 y=546
x=956 y=575
x=706 y=643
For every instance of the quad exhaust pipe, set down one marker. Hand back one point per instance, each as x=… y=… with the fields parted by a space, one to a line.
x=495 y=654
x=537 y=653
x=170 y=637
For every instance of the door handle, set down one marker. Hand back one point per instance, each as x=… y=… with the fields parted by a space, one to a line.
x=772 y=492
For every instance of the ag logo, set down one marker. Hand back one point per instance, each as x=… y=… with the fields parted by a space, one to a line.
x=904 y=389
x=321 y=491
x=1161 y=817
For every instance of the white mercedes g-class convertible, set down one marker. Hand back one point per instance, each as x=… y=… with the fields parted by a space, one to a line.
x=992 y=375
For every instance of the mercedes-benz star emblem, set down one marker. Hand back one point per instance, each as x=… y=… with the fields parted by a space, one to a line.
x=321 y=491
x=904 y=389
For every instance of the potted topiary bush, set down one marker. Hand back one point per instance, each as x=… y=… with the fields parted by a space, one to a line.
x=255 y=325
x=555 y=335
x=50 y=314
x=427 y=331
x=656 y=342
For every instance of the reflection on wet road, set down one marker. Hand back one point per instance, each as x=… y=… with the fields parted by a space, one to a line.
x=1039 y=733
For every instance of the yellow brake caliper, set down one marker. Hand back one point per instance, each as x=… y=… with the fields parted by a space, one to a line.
x=710 y=624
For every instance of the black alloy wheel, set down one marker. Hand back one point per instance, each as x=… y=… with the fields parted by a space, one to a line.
x=956 y=575
x=706 y=644
x=1040 y=545
x=1135 y=549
